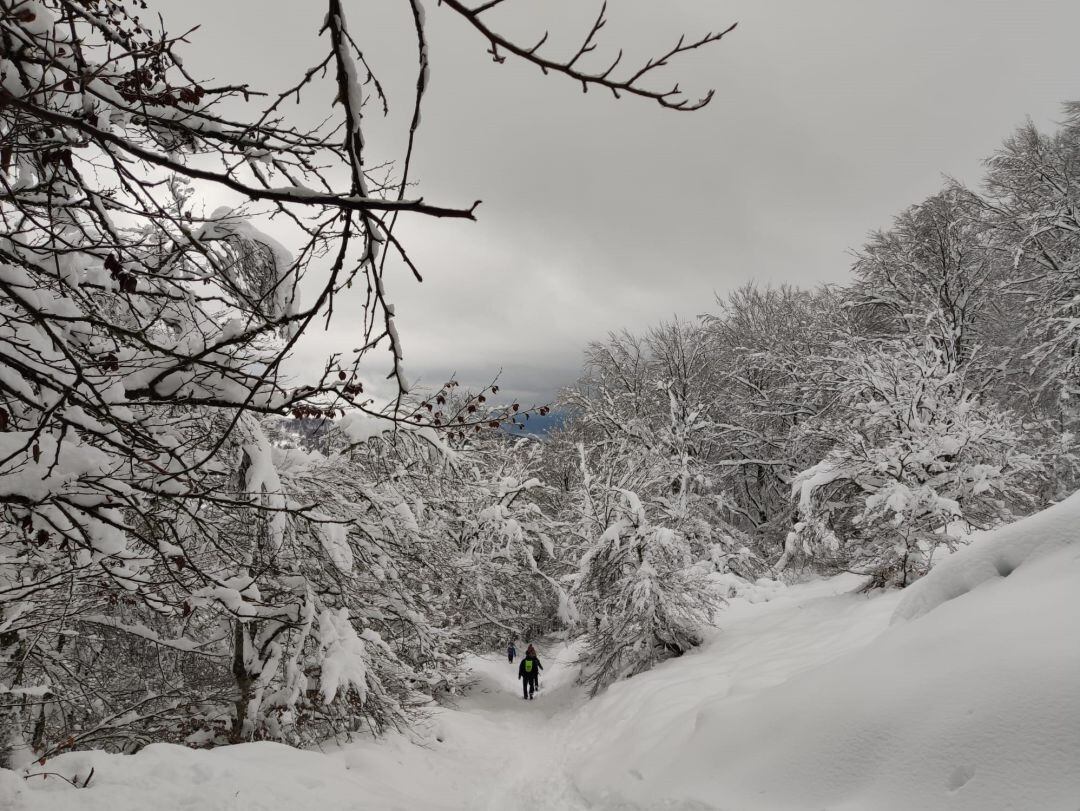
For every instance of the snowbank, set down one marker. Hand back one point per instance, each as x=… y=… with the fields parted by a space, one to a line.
x=253 y=777
x=995 y=555
x=973 y=706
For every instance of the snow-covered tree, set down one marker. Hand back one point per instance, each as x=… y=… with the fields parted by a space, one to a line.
x=146 y=514
x=915 y=456
x=641 y=515
x=648 y=407
x=770 y=351
x=500 y=561
x=930 y=276
x=1032 y=202
x=638 y=595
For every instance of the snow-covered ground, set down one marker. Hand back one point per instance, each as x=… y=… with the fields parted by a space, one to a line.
x=814 y=703
x=966 y=696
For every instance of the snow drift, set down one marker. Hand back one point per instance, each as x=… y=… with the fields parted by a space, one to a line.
x=973 y=705
x=996 y=556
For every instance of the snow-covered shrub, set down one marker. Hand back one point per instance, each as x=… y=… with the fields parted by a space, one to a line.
x=915 y=453
x=638 y=596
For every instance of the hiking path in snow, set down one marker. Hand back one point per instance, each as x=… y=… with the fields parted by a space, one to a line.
x=493 y=750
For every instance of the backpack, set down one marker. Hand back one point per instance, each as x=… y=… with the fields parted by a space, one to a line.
x=528 y=665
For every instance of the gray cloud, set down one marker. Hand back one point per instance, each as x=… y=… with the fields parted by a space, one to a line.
x=829 y=118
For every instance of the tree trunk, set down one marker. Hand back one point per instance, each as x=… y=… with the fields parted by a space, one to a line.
x=245 y=685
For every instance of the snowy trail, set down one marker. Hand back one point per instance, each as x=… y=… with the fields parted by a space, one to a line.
x=518 y=747
x=531 y=744
x=498 y=750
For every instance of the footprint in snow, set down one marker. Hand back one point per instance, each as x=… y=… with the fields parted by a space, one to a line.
x=959 y=778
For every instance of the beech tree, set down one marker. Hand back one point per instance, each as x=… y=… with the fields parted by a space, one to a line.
x=638 y=597
x=645 y=408
x=931 y=275
x=862 y=426
x=914 y=452
x=1032 y=201
x=771 y=349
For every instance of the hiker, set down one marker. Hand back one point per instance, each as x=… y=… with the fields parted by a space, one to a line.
x=529 y=673
x=511 y=652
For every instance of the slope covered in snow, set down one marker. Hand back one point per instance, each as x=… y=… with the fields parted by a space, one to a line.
x=994 y=555
x=975 y=705
x=970 y=699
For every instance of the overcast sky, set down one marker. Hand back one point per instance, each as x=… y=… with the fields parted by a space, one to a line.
x=829 y=117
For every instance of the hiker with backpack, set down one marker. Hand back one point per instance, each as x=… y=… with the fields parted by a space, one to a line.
x=529 y=673
x=511 y=652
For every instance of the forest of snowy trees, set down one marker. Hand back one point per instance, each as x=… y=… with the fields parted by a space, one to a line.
x=196 y=549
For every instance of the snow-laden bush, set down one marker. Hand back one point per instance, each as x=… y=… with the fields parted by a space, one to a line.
x=640 y=598
x=915 y=453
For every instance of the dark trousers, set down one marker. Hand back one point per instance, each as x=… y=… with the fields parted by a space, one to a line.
x=528 y=685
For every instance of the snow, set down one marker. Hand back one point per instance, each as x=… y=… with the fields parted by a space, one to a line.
x=998 y=556
x=56 y=467
x=344 y=662
x=335 y=541
x=282 y=294
x=816 y=704
x=814 y=698
x=253 y=777
x=360 y=426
